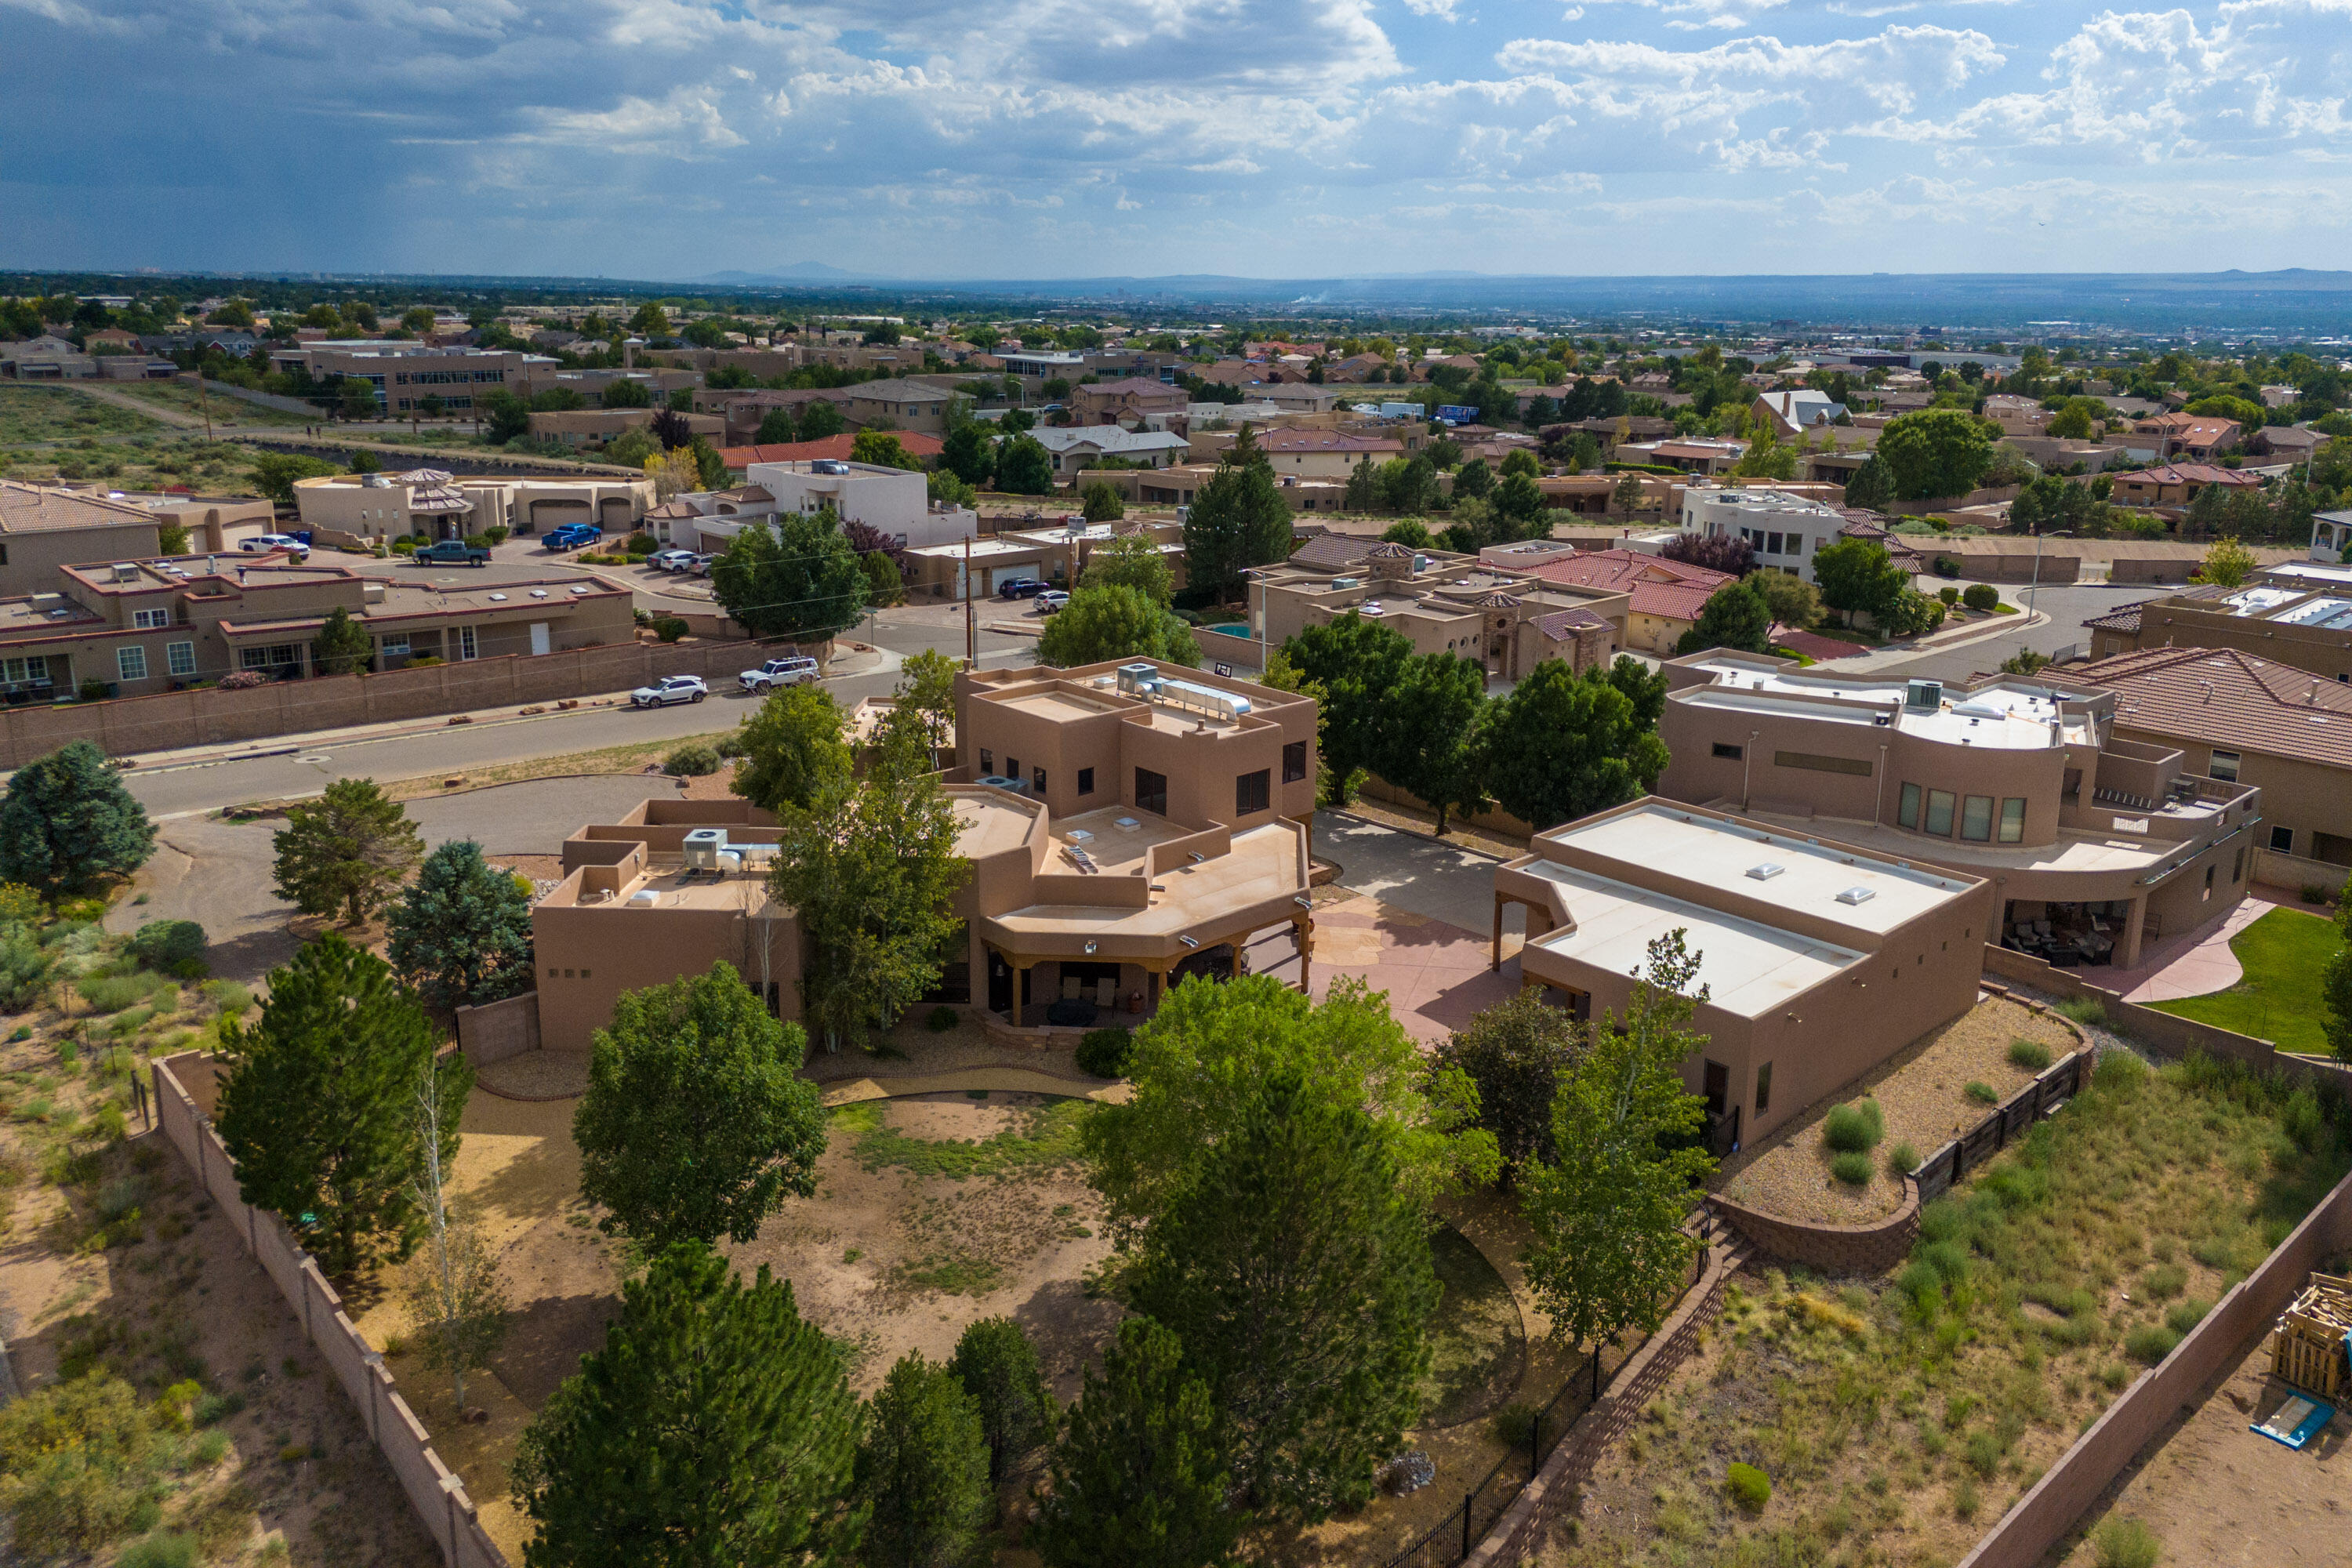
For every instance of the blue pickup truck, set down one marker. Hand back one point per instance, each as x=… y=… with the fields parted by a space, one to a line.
x=572 y=535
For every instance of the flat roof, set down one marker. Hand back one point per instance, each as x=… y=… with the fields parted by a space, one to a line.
x=1717 y=853
x=1264 y=865
x=987 y=823
x=2001 y=716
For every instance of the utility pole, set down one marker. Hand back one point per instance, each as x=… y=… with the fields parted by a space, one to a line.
x=970 y=630
x=204 y=402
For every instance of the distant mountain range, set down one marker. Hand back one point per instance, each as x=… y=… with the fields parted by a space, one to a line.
x=798 y=272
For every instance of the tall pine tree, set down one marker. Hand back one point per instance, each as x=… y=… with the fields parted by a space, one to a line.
x=715 y=1428
x=318 y=1105
x=461 y=934
x=998 y=1367
x=346 y=850
x=67 y=818
x=1238 y=520
x=922 y=1472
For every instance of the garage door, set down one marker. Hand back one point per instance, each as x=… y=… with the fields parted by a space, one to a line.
x=1000 y=575
x=547 y=514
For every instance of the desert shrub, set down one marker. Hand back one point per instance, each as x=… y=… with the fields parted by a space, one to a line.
x=1981 y=596
x=2185 y=1315
x=2151 y=1343
x=494 y=534
x=1748 y=1487
x=1103 y=1052
x=24 y=967
x=691 y=762
x=942 y=1018
x=1514 y=1424
x=165 y=943
x=2087 y=1011
x=1964 y=1498
x=228 y=997
x=164 y=1549
x=641 y=544
x=80 y=1464
x=1902 y=1160
x=2316 y=893
x=1949 y=596
x=1982 y=1093
x=1855 y=1129
x=670 y=628
x=2125 y=1543
x=2030 y=1054
x=115 y=993
x=729 y=745
x=2165 y=1281
x=2120 y=1073
x=1982 y=1453
x=1853 y=1168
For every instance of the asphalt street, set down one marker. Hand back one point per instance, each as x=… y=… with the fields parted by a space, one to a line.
x=2067 y=606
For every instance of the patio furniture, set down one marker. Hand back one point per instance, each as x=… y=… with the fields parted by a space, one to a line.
x=1072 y=1013
x=1105 y=992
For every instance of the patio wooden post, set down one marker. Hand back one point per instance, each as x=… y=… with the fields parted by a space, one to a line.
x=1496 y=964
x=1302 y=932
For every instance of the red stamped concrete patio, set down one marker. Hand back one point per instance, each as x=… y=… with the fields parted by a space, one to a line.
x=1435 y=974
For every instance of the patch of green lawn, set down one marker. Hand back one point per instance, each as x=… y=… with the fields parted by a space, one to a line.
x=2277 y=999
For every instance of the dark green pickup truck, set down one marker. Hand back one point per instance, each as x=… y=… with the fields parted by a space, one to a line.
x=453 y=553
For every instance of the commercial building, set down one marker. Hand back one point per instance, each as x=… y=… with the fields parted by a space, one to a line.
x=2093 y=842
x=404 y=374
x=139 y=627
x=2242 y=720
x=374 y=508
x=1820 y=960
x=1127 y=825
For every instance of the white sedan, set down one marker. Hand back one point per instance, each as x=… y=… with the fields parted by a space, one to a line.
x=669 y=688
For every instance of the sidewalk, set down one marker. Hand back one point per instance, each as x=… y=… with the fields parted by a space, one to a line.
x=2196 y=963
x=1945 y=642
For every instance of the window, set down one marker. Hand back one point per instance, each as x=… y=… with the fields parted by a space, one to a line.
x=34 y=669
x=1820 y=765
x=465 y=642
x=1907 y=812
x=2224 y=767
x=1150 y=791
x=1728 y=752
x=151 y=620
x=1013 y=767
x=987 y=761
x=1294 y=761
x=393 y=646
x=180 y=657
x=1037 y=781
x=1253 y=791
x=1939 y=811
x=1764 y=1089
x=1975 y=818
x=130 y=663
x=1772 y=544
x=1086 y=781
x=2012 y=821
x=2281 y=838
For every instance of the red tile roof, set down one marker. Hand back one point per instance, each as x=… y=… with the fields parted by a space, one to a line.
x=2189 y=474
x=1324 y=441
x=2221 y=697
x=916 y=444
x=1670 y=590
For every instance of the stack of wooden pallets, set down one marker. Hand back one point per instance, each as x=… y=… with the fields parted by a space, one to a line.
x=2308 y=1345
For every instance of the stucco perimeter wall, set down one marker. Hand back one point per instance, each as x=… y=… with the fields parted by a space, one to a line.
x=497 y=1030
x=208 y=717
x=1830 y=1249
x=438 y=1496
x=2084 y=1470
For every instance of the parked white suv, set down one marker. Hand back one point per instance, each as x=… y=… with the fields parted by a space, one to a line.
x=265 y=543
x=671 y=560
x=669 y=688
x=795 y=672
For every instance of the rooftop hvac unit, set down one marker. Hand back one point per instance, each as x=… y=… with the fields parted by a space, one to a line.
x=1206 y=701
x=755 y=857
x=1924 y=694
x=703 y=847
x=1139 y=679
x=1346 y=583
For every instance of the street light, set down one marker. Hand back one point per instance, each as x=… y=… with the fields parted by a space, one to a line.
x=2033 y=589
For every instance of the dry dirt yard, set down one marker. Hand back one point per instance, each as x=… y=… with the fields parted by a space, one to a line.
x=1922 y=1093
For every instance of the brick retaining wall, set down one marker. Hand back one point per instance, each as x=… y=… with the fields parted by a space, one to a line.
x=1871 y=1249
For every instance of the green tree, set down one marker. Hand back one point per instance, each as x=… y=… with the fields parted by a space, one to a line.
x=797 y=579
x=776 y=428
x=1409 y=484
x=1520 y=504
x=883 y=448
x=274 y=473
x=998 y=1368
x=1935 y=452
x=461 y=933
x=1115 y=622
x=1435 y=753
x=347 y=850
x=1357 y=664
x=1410 y=532
x=1473 y=481
x=2051 y=504
x=1102 y=503
x=716 y=1427
x=355 y=398
x=1872 y=486
x=821 y=417
x=871 y=866
x=1736 y=616
x=792 y=748
x=650 y=320
x=1238 y=519
x=2335 y=984
x=1516 y=1053
x=1609 y=1252
x=458 y=1306
x=927 y=689
x=66 y=820
x=1194 y=1064
x=1023 y=467
x=968 y=453
x=695 y=1124
x=1364 y=486
x=626 y=393
x=1296 y=1273
x=1562 y=745
x=2228 y=563
x=1767 y=457
x=1138 y=1477
x=318 y=1105
x=1858 y=574
x=1131 y=560
x=343 y=645
x=508 y=417
x=1643 y=686
x=1794 y=603
x=922 y=1472
x=1625 y=497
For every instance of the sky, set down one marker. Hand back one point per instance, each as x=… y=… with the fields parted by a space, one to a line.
x=671 y=139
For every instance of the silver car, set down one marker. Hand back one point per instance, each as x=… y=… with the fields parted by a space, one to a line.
x=669 y=689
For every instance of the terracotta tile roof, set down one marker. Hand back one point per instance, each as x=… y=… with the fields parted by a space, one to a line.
x=916 y=444
x=1671 y=590
x=1324 y=441
x=2221 y=697
x=1333 y=551
x=2189 y=474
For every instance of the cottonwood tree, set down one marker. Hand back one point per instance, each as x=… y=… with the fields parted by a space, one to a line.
x=1610 y=1254
x=792 y=748
x=1194 y=1064
x=1516 y=1053
x=318 y=1107
x=715 y=1427
x=798 y=578
x=1138 y=1477
x=695 y=1124
x=870 y=865
x=926 y=689
x=456 y=1304
x=997 y=1366
x=1935 y=452
x=922 y=1477
x=1297 y=1276
x=1130 y=560
x=67 y=820
x=1357 y=666
x=346 y=850
x=461 y=933
x=1562 y=745
x=1858 y=574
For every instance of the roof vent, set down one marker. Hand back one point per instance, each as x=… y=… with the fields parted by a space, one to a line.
x=498 y=598
x=1765 y=871
x=538 y=593
x=1856 y=896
